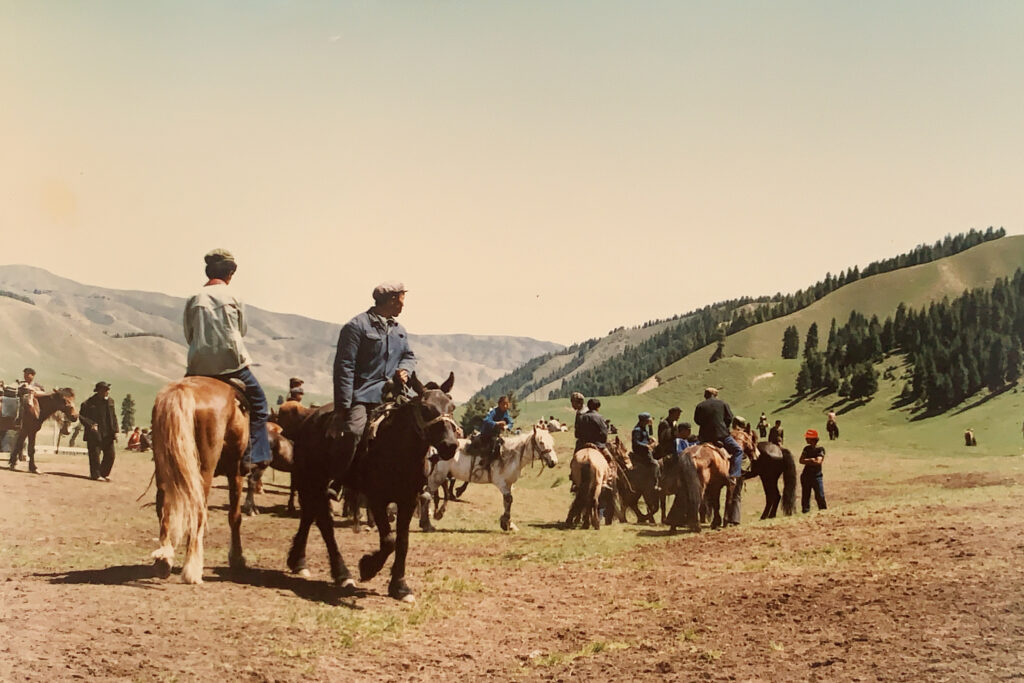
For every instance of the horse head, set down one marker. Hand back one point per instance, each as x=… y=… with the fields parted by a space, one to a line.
x=432 y=409
x=544 y=445
x=66 y=403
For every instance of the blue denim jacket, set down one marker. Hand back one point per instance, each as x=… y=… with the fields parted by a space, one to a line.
x=370 y=351
x=490 y=427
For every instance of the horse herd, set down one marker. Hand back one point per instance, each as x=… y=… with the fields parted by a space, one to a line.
x=200 y=430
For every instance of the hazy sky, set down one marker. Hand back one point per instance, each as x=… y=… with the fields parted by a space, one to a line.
x=550 y=169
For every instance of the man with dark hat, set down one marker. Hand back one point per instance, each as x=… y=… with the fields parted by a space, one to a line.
x=100 y=420
x=667 y=432
x=642 y=444
x=295 y=382
x=214 y=326
x=296 y=393
x=591 y=428
x=373 y=348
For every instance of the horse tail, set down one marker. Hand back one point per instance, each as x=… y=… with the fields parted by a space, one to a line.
x=690 y=492
x=788 y=482
x=176 y=459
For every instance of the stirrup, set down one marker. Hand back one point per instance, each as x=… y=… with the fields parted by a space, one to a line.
x=335 y=491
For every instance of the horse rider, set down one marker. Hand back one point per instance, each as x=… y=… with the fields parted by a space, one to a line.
x=497 y=422
x=576 y=400
x=714 y=416
x=373 y=347
x=592 y=430
x=100 y=420
x=294 y=382
x=684 y=437
x=214 y=324
x=762 y=426
x=643 y=445
x=296 y=393
x=667 y=432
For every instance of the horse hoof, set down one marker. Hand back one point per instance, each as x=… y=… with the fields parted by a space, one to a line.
x=304 y=573
x=438 y=515
x=512 y=527
x=504 y=524
x=409 y=599
x=236 y=561
x=162 y=568
x=400 y=591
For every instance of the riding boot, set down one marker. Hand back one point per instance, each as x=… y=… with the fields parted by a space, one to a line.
x=732 y=502
x=342 y=451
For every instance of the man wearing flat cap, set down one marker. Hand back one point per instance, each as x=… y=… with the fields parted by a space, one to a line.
x=643 y=446
x=373 y=348
x=214 y=326
x=100 y=421
x=667 y=432
x=714 y=417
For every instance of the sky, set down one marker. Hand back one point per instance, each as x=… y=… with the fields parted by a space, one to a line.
x=545 y=169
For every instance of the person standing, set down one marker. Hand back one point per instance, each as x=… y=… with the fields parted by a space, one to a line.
x=811 y=479
x=373 y=347
x=762 y=426
x=667 y=432
x=215 y=323
x=776 y=434
x=831 y=426
x=100 y=420
x=713 y=416
x=28 y=389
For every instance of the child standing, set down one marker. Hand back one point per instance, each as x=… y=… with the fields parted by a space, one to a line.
x=811 y=458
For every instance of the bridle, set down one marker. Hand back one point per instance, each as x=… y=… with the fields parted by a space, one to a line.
x=535 y=450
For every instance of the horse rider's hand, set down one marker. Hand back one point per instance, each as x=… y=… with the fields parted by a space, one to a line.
x=401 y=376
x=336 y=423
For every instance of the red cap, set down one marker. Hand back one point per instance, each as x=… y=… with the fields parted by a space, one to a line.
x=811 y=434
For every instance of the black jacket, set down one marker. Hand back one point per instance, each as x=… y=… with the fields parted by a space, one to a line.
x=591 y=428
x=714 y=417
x=100 y=412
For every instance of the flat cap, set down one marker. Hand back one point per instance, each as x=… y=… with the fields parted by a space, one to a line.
x=294 y=382
x=29 y=370
x=296 y=390
x=100 y=386
x=682 y=426
x=218 y=255
x=576 y=396
x=645 y=416
x=386 y=289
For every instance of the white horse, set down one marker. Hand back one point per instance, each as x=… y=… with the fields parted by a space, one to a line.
x=516 y=452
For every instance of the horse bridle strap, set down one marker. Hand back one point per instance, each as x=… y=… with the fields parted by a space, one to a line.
x=443 y=417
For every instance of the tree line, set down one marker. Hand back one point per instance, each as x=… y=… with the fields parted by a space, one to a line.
x=955 y=348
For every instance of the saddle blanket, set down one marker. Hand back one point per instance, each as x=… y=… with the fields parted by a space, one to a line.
x=9 y=406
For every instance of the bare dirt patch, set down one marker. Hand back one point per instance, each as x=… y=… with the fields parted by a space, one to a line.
x=926 y=591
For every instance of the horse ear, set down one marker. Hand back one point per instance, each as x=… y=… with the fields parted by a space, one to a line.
x=415 y=383
x=448 y=383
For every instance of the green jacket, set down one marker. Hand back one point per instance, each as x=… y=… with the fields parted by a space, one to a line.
x=214 y=326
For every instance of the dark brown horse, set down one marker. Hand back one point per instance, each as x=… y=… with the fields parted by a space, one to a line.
x=35 y=410
x=636 y=481
x=392 y=469
x=199 y=431
x=282 y=460
x=773 y=462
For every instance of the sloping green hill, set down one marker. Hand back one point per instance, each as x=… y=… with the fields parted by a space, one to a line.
x=754 y=378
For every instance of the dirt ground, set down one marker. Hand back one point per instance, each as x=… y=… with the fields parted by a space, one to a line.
x=878 y=591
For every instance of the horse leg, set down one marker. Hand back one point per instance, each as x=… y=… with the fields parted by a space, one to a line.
x=297 y=553
x=423 y=505
x=164 y=555
x=506 y=518
x=398 y=588
x=371 y=563
x=252 y=482
x=32 y=452
x=325 y=523
x=766 y=485
x=192 y=570
x=236 y=560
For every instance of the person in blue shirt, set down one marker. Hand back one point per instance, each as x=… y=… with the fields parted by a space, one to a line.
x=496 y=422
x=685 y=437
x=373 y=348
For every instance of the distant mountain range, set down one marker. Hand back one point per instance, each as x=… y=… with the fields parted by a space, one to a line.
x=75 y=334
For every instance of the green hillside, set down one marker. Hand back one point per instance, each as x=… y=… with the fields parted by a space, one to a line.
x=754 y=378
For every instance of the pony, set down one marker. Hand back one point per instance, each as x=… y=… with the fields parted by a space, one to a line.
x=591 y=473
x=710 y=465
x=633 y=483
x=393 y=468
x=282 y=460
x=199 y=431
x=517 y=452
x=35 y=409
x=833 y=429
x=771 y=463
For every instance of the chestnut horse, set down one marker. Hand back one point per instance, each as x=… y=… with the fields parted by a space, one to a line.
x=391 y=469
x=199 y=431
x=282 y=460
x=35 y=410
x=590 y=471
x=698 y=475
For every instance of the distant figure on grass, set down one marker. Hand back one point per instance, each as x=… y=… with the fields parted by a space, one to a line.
x=969 y=439
x=810 y=479
x=133 y=440
x=762 y=426
x=831 y=426
x=714 y=417
x=100 y=421
x=776 y=434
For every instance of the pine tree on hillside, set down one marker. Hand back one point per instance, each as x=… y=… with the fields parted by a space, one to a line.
x=791 y=342
x=127 y=413
x=811 y=342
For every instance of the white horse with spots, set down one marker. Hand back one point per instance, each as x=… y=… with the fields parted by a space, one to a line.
x=517 y=452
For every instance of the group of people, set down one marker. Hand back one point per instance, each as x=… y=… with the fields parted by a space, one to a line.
x=97 y=417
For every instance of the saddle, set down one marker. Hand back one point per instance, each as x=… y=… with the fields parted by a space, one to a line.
x=239 y=387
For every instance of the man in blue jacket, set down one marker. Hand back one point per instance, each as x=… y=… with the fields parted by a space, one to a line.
x=372 y=348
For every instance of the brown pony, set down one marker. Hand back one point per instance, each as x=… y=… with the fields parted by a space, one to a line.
x=35 y=410
x=199 y=431
x=590 y=472
x=282 y=460
x=698 y=475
